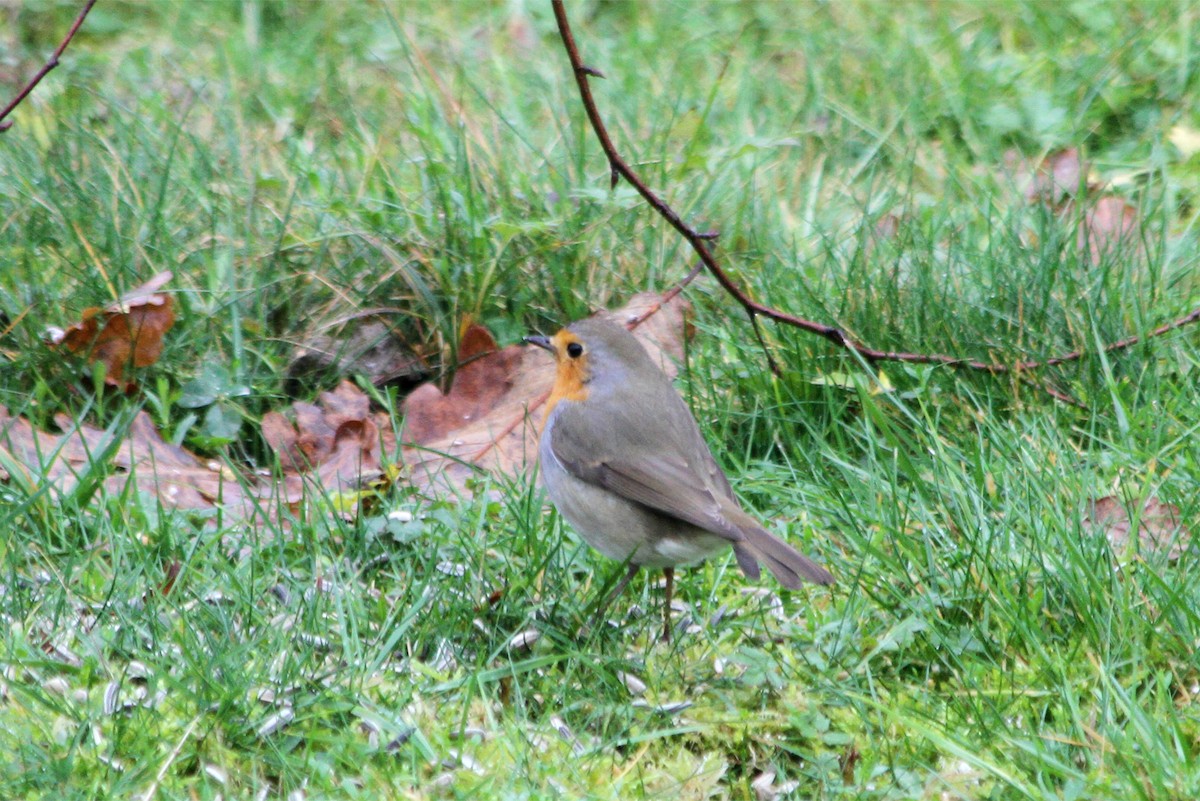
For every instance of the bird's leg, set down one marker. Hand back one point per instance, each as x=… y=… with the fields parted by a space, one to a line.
x=612 y=596
x=669 y=572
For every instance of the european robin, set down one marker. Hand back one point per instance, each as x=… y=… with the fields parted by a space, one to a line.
x=624 y=462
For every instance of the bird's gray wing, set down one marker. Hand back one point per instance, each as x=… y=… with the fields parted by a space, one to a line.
x=653 y=471
x=673 y=473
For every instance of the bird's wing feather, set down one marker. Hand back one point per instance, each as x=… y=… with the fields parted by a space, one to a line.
x=670 y=470
x=654 y=474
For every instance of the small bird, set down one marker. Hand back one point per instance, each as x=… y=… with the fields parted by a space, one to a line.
x=624 y=462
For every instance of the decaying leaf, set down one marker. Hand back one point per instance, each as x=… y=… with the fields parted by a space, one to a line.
x=1061 y=181
x=180 y=479
x=126 y=333
x=886 y=227
x=334 y=448
x=1108 y=225
x=330 y=450
x=336 y=444
x=485 y=376
x=1056 y=178
x=1160 y=526
x=368 y=348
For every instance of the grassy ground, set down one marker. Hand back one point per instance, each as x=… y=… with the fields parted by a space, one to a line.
x=293 y=163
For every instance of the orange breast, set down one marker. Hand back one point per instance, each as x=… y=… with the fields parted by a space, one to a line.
x=567 y=386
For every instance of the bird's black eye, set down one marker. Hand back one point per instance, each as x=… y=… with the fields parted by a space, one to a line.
x=574 y=350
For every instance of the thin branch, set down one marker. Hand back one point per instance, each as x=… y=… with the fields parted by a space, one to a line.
x=45 y=70
x=619 y=168
x=667 y=297
x=1052 y=391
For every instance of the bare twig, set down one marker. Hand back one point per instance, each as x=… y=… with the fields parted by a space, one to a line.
x=49 y=65
x=666 y=297
x=619 y=168
x=1052 y=391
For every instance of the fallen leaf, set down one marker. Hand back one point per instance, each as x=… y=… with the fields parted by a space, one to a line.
x=371 y=349
x=886 y=227
x=282 y=437
x=1108 y=226
x=485 y=376
x=1160 y=526
x=172 y=573
x=329 y=450
x=126 y=333
x=1060 y=181
x=337 y=443
x=849 y=760
x=334 y=449
x=59 y=461
x=1056 y=178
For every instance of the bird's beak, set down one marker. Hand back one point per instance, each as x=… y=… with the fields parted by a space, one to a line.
x=541 y=342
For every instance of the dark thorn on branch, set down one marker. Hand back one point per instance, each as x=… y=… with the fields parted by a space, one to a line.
x=753 y=308
x=709 y=236
x=45 y=70
x=595 y=73
x=762 y=342
x=613 y=177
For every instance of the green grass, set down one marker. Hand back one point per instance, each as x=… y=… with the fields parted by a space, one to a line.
x=296 y=163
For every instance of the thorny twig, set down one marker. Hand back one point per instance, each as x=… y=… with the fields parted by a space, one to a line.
x=619 y=168
x=45 y=70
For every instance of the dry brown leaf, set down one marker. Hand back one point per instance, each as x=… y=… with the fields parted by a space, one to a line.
x=504 y=439
x=46 y=457
x=128 y=332
x=283 y=438
x=1060 y=182
x=367 y=348
x=1107 y=226
x=1056 y=178
x=886 y=227
x=485 y=376
x=335 y=447
x=489 y=421
x=180 y=479
x=1160 y=526
x=338 y=441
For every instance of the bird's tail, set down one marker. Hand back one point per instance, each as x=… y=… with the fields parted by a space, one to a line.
x=791 y=567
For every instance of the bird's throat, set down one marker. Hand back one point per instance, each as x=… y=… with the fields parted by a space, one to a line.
x=569 y=383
